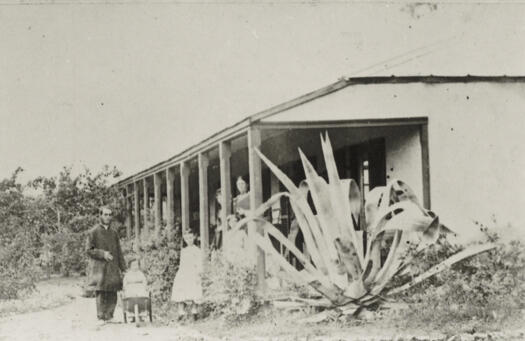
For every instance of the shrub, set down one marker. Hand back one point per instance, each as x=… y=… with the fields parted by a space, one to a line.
x=479 y=293
x=18 y=270
x=67 y=251
x=230 y=289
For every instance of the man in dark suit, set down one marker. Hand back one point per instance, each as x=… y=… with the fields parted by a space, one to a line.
x=103 y=249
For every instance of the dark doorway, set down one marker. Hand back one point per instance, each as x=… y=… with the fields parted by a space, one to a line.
x=364 y=162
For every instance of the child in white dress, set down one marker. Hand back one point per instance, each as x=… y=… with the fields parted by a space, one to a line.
x=187 y=286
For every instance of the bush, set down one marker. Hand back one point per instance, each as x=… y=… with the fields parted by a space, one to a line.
x=18 y=270
x=479 y=293
x=67 y=252
x=48 y=226
x=230 y=289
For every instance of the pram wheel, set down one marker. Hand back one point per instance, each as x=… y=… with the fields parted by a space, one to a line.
x=149 y=309
x=124 y=318
x=137 y=318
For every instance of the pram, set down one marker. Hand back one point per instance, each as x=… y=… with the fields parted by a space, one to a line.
x=135 y=298
x=136 y=307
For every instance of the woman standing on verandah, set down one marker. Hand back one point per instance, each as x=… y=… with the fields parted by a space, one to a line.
x=235 y=240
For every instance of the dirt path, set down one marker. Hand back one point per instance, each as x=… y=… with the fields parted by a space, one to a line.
x=77 y=321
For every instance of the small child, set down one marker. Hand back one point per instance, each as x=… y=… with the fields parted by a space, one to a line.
x=187 y=287
x=135 y=284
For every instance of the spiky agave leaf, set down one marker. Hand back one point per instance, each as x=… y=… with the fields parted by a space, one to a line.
x=395 y=211
x=346 y=204
x=307 y=221
x=318 y=280
x=267 y=246
x=355 y=288
x=314 y=243
x=330 y=232
x=376 y=205
x=373 y=202
x=354 y=199
x=348 y=256
x=309 y=277
x=388 y=267
x=281 y=238
x=409 y=225
x=261 y=209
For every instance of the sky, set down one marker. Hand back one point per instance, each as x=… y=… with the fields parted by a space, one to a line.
x=132 y=83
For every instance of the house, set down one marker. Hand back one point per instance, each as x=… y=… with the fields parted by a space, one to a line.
x=457 y=141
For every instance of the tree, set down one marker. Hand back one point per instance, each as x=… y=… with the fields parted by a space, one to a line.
x=72 y=203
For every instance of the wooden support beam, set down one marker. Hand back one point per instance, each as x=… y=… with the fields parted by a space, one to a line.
x=170 y=194
x=185 y=196
x=157 y=183
x=136 y=199
x=145 y=202
x=276 y=207
x=256 y=199
x=203 y=203
x=425 y=159
x=129 y=214
x=226 y=186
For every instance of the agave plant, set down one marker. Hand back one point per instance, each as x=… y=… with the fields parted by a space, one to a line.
x=343 y=265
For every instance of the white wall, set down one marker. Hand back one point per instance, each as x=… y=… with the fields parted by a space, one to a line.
x=403 y=158
x=476 y=144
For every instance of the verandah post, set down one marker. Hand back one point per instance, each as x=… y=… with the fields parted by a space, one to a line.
x=127 y=208
x=226 y=187
x=185 y=196
x=256 y=199
x=203 y=204
x=170 y=206
x=137 y=214
x=145 y=202
x=157 y=182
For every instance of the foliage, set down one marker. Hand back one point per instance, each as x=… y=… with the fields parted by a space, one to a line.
x=12 y=208
x=18 y=270
x=70 y=207
x=43 y=224
x=230 y=288
x=75 y=199
x=345 y=267
x=66 y=250
x=477 y=293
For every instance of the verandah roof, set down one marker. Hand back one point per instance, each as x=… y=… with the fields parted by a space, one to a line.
x=241 y=126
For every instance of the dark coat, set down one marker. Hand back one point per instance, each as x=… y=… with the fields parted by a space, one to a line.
x=105 y=275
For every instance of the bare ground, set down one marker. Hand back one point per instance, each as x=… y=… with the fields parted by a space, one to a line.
x=75 y=319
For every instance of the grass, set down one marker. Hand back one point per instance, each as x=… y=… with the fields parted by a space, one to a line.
x=49 y=293
x=273 y=324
